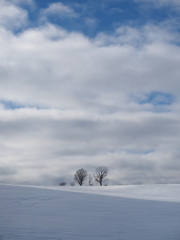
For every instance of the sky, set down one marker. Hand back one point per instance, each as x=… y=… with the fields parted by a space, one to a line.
x=87 y=84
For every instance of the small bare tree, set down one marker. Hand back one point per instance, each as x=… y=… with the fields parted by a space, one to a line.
x=90 y=179
x=80 y=176
x=101 y=173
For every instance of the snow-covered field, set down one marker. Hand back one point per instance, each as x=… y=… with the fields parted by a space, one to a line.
x=143 y=212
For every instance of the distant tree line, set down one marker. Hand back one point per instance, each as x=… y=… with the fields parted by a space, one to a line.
x=81 y=176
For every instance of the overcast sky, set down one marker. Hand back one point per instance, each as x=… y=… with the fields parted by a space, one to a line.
x=89 y=83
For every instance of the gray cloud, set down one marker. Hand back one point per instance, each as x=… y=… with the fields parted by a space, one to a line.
x=46 y=145
x=7 y=171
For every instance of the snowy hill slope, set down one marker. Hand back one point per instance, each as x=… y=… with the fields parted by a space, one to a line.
x=44 y=214
x=158 y=192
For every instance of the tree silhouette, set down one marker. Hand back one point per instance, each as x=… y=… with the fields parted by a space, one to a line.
x=80 y=176
x=101 y=173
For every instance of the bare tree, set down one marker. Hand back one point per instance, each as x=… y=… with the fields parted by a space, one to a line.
x=90 y=179
x=101 y=173
x=80 y=176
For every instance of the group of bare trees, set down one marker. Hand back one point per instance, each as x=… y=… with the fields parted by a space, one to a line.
x=81 y=176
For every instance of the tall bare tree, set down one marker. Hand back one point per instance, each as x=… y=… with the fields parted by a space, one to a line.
x=80 y=176
x=101 y=173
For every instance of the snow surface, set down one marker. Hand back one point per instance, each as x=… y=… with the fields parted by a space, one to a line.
x=30 y=213
x=158 y=192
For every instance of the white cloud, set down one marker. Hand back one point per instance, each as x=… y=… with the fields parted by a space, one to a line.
x=161 y=3
x=22 y=2
x=11 y=16
x=59 y=10
x=140 y=37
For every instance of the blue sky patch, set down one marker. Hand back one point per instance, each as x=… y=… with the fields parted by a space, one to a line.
x=156 y=99
x=103 y=15
x=10 y=104
x=130 y=151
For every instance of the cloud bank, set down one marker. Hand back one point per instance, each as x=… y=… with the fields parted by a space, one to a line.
x=69 y=101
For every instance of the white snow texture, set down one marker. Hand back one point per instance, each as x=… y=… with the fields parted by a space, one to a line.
x=110 y=213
